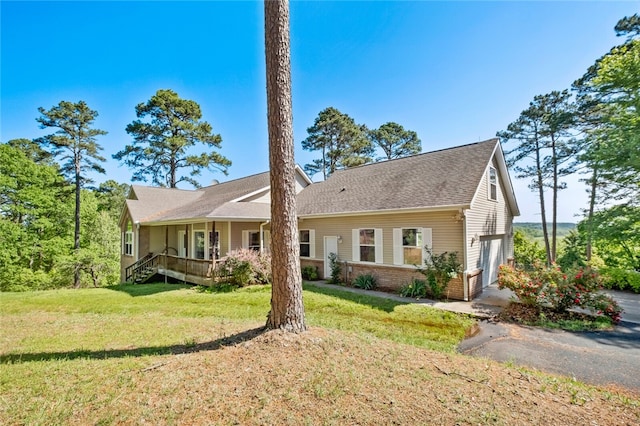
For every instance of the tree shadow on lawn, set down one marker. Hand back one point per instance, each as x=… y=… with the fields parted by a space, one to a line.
x=135 y=290
x=380 y=303
x=213 y=345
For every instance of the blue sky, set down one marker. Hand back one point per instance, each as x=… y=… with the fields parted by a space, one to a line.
x=454 y=72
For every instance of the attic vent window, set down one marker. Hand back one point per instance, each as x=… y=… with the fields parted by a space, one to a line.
x=493 y=184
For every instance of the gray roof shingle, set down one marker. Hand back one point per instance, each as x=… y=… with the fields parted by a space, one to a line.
x=448 y=177
x=165 y=204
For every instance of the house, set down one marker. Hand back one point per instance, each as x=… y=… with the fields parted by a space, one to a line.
x=377 y=218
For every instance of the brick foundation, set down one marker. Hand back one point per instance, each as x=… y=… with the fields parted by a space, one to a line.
x=392 y=278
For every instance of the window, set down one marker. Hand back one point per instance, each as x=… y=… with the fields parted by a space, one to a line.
x=198 y=245
x=305 y=243
x=128 y=240
x=367 y=245
x=254 y=240
x=409 y=245
x=412 y=246
x=251 y=240
x=308 y=243
x=493 y=184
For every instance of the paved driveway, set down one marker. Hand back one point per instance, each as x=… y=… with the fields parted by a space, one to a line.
x=602 y=357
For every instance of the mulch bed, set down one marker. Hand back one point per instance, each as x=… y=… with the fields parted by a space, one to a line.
x=524 y=314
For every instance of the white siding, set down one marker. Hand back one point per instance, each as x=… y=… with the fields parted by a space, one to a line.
x=488 y=218
x=446 y=232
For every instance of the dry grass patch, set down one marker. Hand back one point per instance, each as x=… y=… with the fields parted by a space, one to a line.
x=319 y=377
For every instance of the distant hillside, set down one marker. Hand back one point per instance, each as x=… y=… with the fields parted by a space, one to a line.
x=533 y=230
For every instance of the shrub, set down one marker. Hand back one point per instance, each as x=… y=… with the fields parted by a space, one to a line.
x=526 y=289
x=550 y=287
x=439 y=270
x=621 y=279
x=365 y=281
x=245 y=267
x=310 y=273
x=414 y=288
x=336 y=268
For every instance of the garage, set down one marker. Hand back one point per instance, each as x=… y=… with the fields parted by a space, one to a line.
x=491 y=257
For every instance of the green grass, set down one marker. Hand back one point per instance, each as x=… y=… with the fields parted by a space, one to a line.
x=163 y=318
x=164 y=354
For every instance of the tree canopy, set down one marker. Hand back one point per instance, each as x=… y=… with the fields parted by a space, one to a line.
x=164 y=144
x=341 y=141
x=75 y=144
x=395 y=141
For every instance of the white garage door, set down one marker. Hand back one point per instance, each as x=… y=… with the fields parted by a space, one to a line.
x=491 y=256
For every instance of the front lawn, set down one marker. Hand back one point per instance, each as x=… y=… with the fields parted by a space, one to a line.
x=168 y=354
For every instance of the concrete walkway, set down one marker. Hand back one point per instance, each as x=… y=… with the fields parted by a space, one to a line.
x=490 y=302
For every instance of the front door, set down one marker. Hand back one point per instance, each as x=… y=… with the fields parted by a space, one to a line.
x=182 y=244
x=330 y=246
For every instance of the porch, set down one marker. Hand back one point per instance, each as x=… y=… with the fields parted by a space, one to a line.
x=194 y=271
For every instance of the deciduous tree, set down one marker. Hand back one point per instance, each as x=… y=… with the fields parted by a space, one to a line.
x=163 y=145
x=74 y=143
x=287 y=309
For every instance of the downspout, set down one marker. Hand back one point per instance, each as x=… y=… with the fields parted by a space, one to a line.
x=262 y=235
x=465 y=280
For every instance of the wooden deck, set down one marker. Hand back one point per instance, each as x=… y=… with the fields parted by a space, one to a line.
x=193 y=271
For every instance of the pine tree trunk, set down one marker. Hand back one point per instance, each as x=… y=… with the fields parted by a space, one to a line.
x=287 y=310
x=543 y=209
x=554 y=214
x=592 y=205
x=76 y=236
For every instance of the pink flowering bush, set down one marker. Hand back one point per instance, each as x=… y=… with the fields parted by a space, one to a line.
x=246 y=267
x=550 y=287
x=526 y=289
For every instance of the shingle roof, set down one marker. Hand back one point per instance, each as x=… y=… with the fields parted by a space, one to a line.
x=449 y=177
x=165 y=204
x=444 y=178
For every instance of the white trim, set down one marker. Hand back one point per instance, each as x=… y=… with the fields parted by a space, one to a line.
x=398 y=249
x=355 y=245
x=327 y=266
x=465 y=281
x=312 y=243
x=136 y=247
x=379 y=254
x=251 y=194
x=427 y=241
x=303 y=174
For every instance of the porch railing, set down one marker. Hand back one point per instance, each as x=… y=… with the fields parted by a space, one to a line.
x=195 y=271
x=129 y=271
